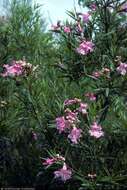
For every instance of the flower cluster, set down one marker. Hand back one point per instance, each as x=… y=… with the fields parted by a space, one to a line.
x=63 y=173
x=68 y=123
x=81 y=17
x=15 y=69
x=85 y=47
x=71 y=116
x=58 y=27
x=18 y=68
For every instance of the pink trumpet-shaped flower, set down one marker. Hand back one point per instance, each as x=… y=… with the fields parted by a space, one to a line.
x=61 y=124
x=48 y=161
x=75 y=135
x=85 y=47
x=96 y=130
x=64 y=173
x=67 y=29
x=83 y=108
x=122 y=68
x=86 y=17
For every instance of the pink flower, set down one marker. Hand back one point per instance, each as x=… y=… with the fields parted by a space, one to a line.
x=12 y=70
x=75 y=135
x=71 y=117
x=83 y=108
x=61 y=124
x=64 y=123
x=48 y=162
x=93 y=7
x=85 y=47
x=96 y=130
x=18 y=68
x=91 y=96
x=64 y=174
x=86 y=17
x=122 y=68
x=71 y=101
x=67 y=29
x=96 y=74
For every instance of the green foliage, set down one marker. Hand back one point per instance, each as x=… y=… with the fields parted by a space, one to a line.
x=30 y=104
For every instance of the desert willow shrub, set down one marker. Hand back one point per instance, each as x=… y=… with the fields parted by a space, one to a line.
x=91 y=132
x=86 y=143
